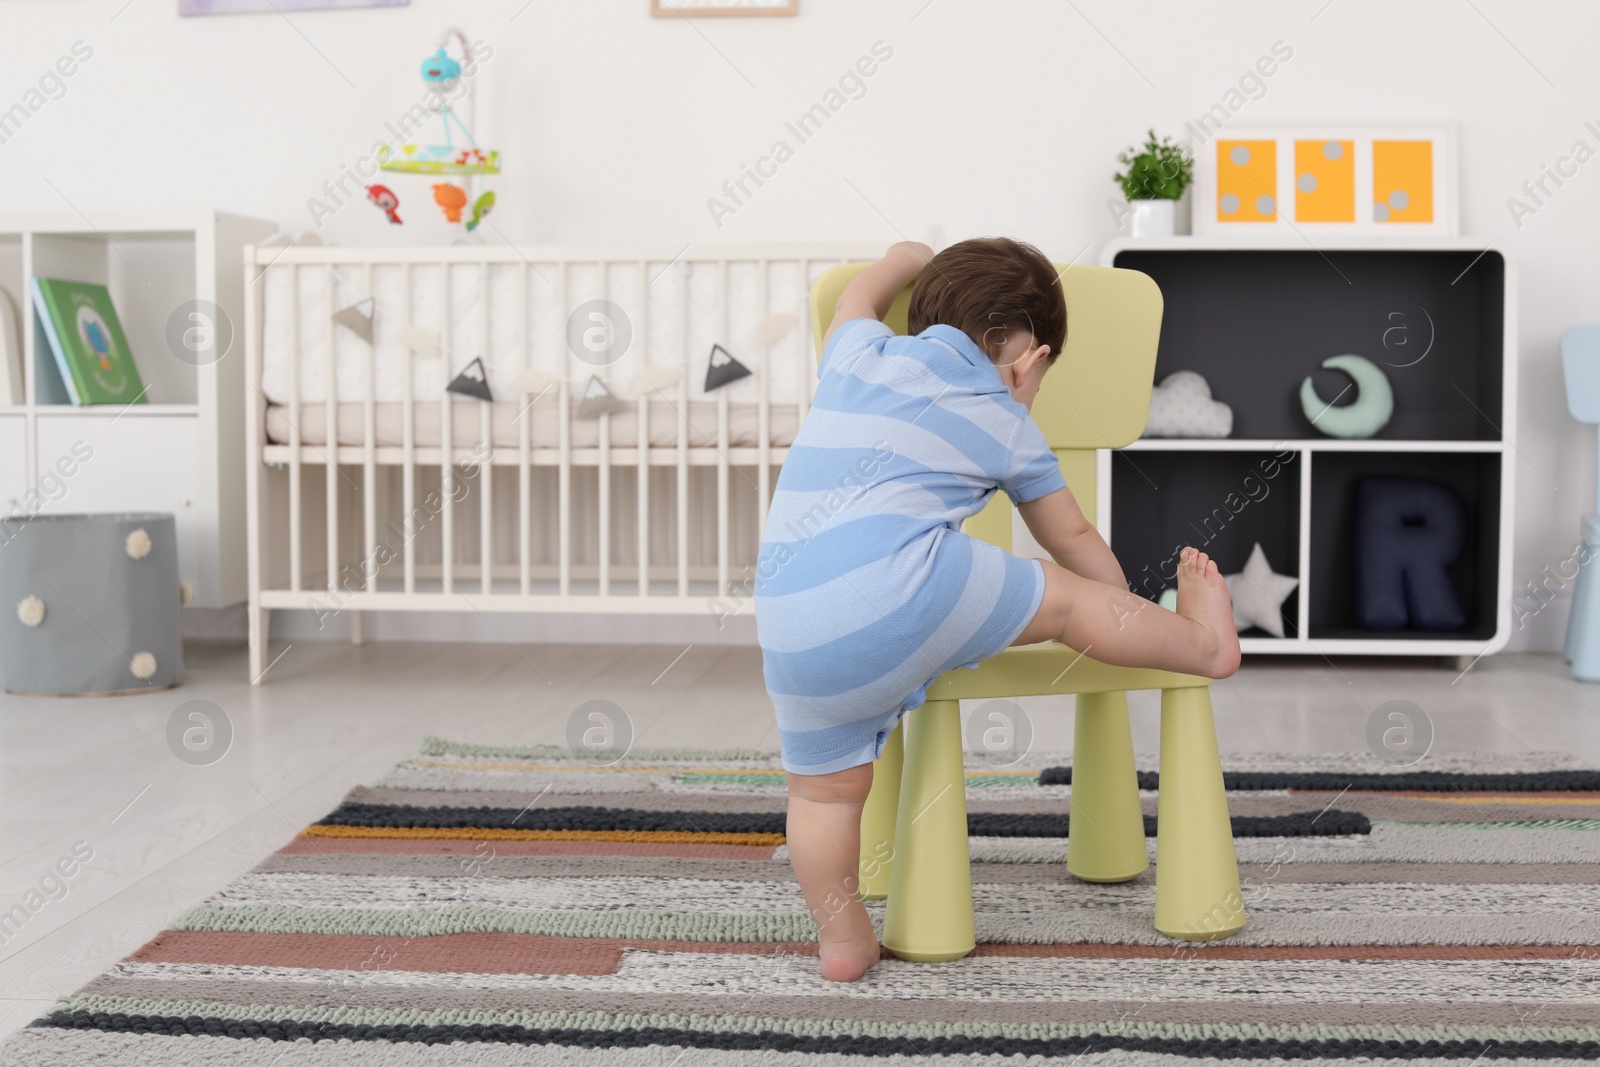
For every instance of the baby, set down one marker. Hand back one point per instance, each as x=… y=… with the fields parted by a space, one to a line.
x=866 y=588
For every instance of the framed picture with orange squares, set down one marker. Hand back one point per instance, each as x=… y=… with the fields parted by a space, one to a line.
x=1349 y=179
x=697 y=8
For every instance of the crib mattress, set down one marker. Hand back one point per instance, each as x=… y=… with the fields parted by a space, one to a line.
x=543 y=418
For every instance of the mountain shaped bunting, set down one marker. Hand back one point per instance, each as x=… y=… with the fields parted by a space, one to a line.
x=357 y=318
x=723 y=369
x=657 y=379
x=419 y=341
x=598 y=400
x=532 y=381
x=770 y=330
x=472 y=381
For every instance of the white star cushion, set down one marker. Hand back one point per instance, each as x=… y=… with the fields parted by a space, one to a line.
x=1258 y=594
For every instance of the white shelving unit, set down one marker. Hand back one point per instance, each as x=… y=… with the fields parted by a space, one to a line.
x=1323 y=464
x=183 y=450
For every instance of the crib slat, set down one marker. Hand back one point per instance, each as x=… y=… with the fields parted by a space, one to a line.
x=564 y=475
x=524 y=443
x=722 y=444
x=764 y=407
x=330 y=470
x=485 y=458
x=604 y=478
x=683 y=441
x=447 y=437
x=296 y=561
x=408 y=445
x=369 y=468
x=642 y=471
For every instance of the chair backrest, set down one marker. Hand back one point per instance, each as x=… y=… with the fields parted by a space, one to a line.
x=1580 y=364
x=1097 y=395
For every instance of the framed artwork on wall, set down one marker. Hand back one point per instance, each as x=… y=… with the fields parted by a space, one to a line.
x=674 y=8
x=1327 y=178
x=247 y=7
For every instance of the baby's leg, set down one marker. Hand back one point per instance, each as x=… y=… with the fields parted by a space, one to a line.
x=824 y=838
x=1119 y=627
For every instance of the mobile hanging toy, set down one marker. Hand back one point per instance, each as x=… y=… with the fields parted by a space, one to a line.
x=459 y=156
x=384 y=197
x=480 y=208
x=451 y=199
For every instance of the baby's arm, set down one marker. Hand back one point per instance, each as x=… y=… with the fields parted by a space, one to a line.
x=870 y=293
x=1059 y=525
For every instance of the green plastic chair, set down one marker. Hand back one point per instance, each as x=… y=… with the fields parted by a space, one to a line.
x=1096 y=396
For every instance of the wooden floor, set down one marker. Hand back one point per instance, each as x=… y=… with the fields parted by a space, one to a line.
x=165 y=834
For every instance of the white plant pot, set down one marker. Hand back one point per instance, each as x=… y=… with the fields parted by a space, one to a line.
x=1153 y=218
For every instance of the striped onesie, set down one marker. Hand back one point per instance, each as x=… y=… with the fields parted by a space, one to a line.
x=866 y=589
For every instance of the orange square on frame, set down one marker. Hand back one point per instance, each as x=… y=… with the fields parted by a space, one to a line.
x=1247 y=181
x=1402 y=181
x=1324 y=181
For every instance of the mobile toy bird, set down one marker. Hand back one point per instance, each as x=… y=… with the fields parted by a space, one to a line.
x=384 y=197
x=440 y=69
x=480 y=210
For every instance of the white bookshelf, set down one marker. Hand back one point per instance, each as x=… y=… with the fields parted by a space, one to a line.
x=1479 y=357
x=182 y=451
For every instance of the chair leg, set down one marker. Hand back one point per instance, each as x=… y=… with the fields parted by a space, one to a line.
x=929 y=916
x=1197 y=872
x=1579 y=621
x=878 y=817
x=1106 y=840
x=1582 y=648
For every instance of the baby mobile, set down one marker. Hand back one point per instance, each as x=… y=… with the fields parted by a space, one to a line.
x=464 y=161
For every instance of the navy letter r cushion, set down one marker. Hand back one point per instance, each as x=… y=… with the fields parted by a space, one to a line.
x=1408 y=533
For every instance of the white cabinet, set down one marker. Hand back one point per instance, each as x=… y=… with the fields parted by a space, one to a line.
x=88 y=461
x=13 y=462
x=180 y=451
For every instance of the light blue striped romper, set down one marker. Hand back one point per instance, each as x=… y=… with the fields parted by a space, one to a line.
x=866 y=590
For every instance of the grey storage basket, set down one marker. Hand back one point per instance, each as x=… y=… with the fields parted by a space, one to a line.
x=90 y=603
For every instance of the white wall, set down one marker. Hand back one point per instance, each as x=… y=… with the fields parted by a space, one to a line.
x=996 y=117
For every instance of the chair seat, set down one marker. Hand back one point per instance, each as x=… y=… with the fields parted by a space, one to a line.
x=1051 y=667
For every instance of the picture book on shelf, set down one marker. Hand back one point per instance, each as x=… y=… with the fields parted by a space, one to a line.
x=86 y=338
x=10 y=353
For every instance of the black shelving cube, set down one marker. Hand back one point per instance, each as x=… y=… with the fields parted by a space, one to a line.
x=1223 y=503
x=1474 y=476
x=1255 y=323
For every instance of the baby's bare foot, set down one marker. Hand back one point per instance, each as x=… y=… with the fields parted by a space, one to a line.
x=849 y=944
x=1203 y=598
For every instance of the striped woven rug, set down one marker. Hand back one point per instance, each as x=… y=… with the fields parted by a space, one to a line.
x=497 y=906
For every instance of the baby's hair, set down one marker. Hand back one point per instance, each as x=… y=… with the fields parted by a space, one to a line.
x=990 y=284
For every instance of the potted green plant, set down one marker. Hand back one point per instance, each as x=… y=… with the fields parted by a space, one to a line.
x=1154 y=177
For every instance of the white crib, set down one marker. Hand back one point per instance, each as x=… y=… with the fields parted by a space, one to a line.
x=370 y=487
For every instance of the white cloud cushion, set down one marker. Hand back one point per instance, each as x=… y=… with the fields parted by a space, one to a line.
x=1181 y=406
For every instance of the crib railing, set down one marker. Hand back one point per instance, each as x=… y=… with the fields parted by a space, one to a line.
x=330 y=551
